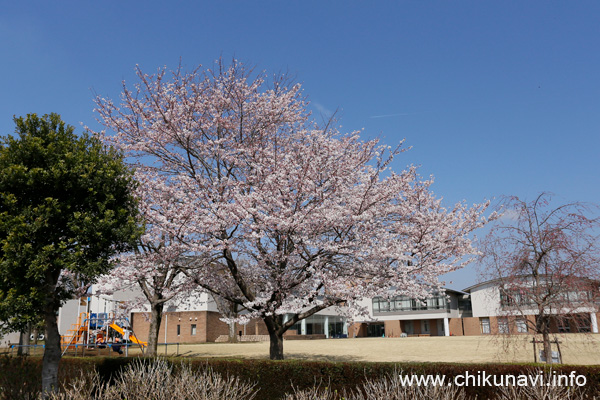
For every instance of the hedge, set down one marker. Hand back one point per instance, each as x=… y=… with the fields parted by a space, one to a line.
x=20 y=377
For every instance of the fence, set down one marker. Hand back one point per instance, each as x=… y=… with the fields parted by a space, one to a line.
x=32 y=349
x=93 y=349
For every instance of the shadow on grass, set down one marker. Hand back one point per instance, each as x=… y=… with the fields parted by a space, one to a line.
x=320 y=357
x=288 y=356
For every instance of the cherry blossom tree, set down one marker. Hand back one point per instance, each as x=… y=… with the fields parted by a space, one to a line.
x=283 y=217
x=545 y=259
x=155 y=269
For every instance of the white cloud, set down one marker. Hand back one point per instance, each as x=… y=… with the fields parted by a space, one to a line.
x=324 y=111
x=388 y=115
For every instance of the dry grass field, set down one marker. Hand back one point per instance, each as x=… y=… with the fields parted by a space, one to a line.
x=576 y=349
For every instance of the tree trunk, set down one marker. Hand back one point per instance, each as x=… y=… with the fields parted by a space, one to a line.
x=155 y=321
x=276 y=346
x=24 y=342
x=232 y=333
x=36 y=334
x=52 y=352
x=274 y=326
x=547 y=347
x=544 y=328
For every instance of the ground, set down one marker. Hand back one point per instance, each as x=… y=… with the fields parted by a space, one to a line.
x=576 y=349
x=579 y=349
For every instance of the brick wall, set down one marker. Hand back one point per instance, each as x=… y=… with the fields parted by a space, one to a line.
x=215 y=327
x=433 y=326
x=181 y=327
x=455 y=326
x=494 y=325
x=357 y=329
x=392 y=328
x=208 y=327
x=471 y=326
x=417 y=327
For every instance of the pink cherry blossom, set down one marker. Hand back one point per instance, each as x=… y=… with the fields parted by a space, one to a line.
x=279 y=215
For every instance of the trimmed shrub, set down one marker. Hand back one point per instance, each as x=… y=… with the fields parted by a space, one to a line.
x=20 y=377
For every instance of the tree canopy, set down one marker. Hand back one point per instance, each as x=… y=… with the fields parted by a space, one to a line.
x=283 y=217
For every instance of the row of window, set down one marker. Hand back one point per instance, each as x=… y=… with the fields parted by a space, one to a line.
x=192 y=330
x=575 y=323
x=503 y=326
x=403 y=303
x=524 y=297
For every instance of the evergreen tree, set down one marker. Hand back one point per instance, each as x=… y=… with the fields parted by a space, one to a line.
x=65 y=209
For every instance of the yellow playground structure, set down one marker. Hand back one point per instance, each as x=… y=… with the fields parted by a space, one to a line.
x=99 y=330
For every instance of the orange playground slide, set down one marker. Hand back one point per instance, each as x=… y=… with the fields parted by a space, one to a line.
x=131 y=335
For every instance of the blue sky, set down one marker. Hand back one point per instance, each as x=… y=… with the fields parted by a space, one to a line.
x=495 y=98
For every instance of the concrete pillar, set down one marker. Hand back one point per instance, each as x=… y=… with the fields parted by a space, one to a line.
x=344 y=326
x=594 y=322
x=166 y=325
x=326 y=327
x=446 y=327
x=303 y=327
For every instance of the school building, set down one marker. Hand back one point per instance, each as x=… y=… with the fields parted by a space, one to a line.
x=480 y=309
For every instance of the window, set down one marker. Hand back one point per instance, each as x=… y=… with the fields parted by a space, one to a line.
x=503 y=325
x=579 y=296
x=178 y=330
x=193 y=329
x=485 y=325
x=425 y=326
x=563 y=325
x=436 y=303
x=315 y=325
x=513 y=297
x=408 y=327
x=335 y=326
x=583 y=323
x=464 y=305
x=380 y=305
x=403 y=303
x=376 y=330
x=297 y=327
x=521 y=325
x=505 y=299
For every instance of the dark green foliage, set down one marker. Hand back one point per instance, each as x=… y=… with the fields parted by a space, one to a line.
x=65 y=208
x=275 y=378
x=65 y=205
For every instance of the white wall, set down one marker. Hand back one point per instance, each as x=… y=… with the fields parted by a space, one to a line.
x=485 y=301
x=195 y=302
x=67 y=315
x=12 y=338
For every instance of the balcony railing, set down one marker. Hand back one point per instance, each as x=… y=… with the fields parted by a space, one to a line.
x=381 y=305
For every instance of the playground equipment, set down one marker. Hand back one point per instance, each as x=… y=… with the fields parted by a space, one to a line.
x=126 y=335
x=91 y=328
